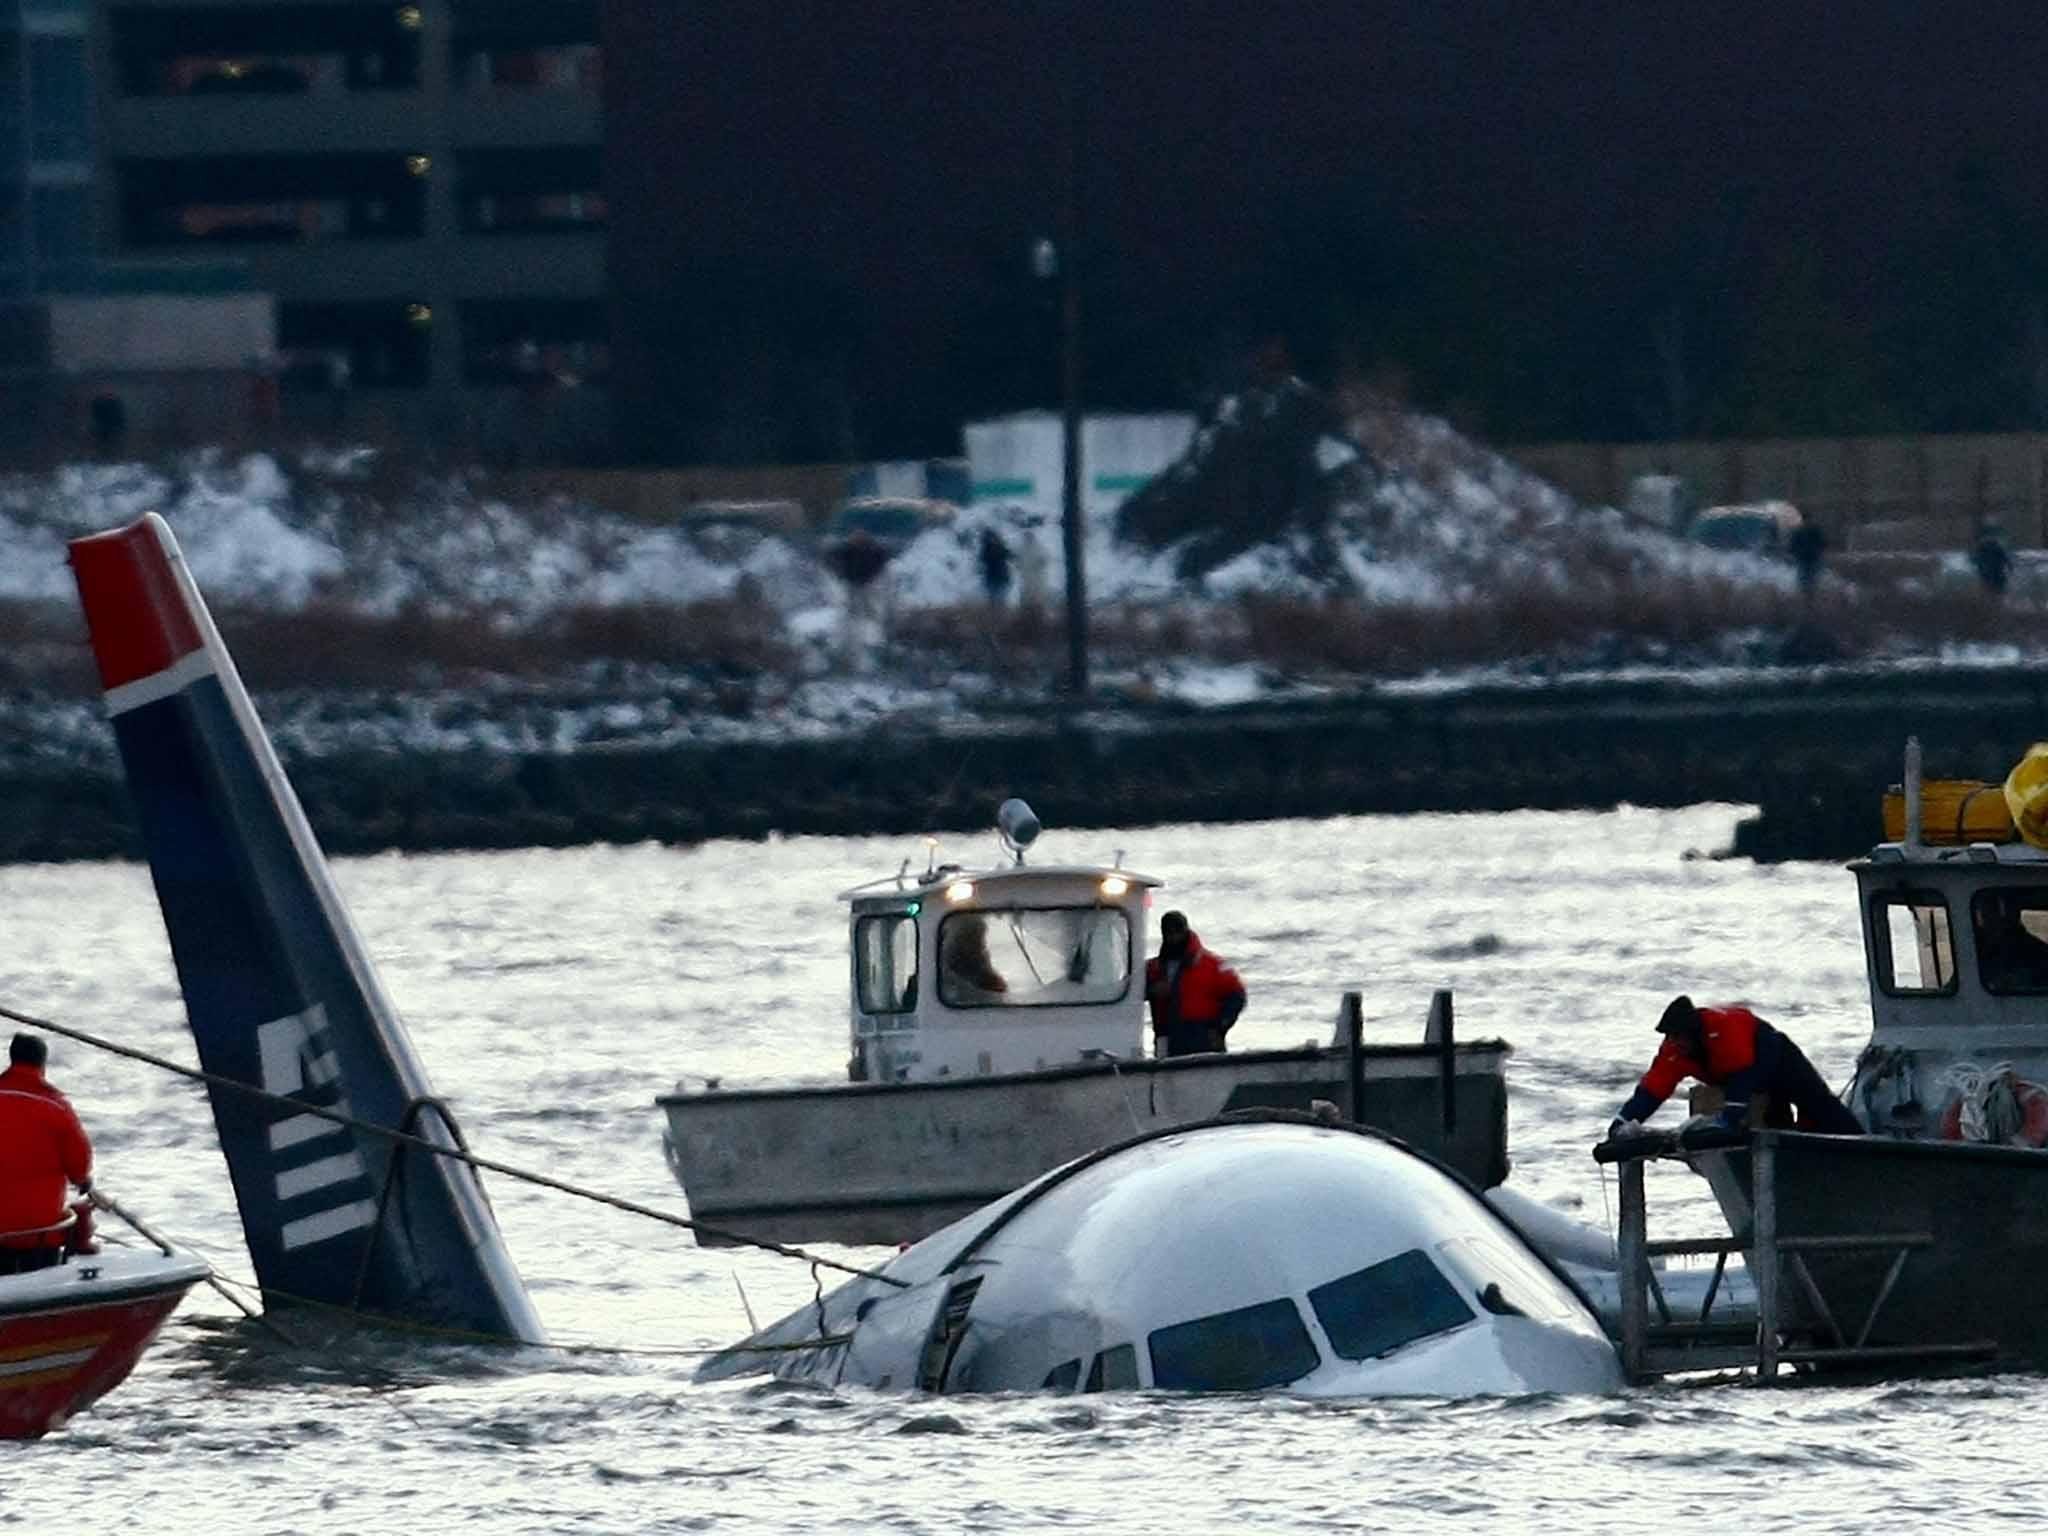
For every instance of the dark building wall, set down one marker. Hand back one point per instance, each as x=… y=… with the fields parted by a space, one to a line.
x=1557 y=220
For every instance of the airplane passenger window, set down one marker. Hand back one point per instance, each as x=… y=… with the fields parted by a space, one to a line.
x=885 y=962
x=1920 y=954
x=1114 y=1370
x=1242 y=1351
x=1036 y=957
x=1061 y=1378
x=1386 y=1305
x=2011 y=928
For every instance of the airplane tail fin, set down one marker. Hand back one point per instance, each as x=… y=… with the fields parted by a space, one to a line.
x=278 y=988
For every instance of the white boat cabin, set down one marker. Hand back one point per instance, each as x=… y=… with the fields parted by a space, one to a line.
x=1956 y=944
x=978 y=973
x=1955 y=941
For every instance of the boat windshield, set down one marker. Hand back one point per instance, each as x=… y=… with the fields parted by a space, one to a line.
x=2011 y=928
x=1034 y=957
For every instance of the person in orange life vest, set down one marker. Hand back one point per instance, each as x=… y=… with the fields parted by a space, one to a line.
x=1748 y=1060
x=1194 y=996
x=42 y=1148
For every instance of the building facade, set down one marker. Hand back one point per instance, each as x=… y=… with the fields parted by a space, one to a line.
x=417 y=185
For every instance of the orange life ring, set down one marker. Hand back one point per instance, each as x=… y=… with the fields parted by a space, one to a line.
x=2033 y=1102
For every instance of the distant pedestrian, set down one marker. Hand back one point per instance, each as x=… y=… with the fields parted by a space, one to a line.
x=1031 y=571
x=994 y=559
x=1806 y=544
x=1992 y=558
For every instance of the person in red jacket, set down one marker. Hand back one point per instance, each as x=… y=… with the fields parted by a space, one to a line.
x=1194 y=996
x=42 y=1149
x=1761 y=1071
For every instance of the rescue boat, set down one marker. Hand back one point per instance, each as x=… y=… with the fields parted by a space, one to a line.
x=962 y=1088
x=71 y=1333
x=1917 y=1241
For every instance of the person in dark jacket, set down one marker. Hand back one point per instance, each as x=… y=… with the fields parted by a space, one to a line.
x=1763 y=1075
x=1992 y=558
x=1194 y=996
x=42 y=1149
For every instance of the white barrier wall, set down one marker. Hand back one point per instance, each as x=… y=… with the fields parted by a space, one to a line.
x=158 y=333
x=1017 y=459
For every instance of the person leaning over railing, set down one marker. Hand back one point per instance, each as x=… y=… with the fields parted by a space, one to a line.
x=43 y=1147
x=1760 y=1070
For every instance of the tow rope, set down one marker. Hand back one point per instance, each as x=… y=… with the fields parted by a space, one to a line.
x=454 y=1154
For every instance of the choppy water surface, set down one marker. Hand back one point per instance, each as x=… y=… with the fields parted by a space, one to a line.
x=553 y=994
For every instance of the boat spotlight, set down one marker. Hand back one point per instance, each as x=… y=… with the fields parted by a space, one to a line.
x=1115 y=885
x=960 y=890
x=1018 y=826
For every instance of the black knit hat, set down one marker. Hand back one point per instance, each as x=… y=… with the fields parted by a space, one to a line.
x=28 y=1051
x=1680 y=1017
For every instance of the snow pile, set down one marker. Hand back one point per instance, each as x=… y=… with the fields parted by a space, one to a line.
x=257 y=534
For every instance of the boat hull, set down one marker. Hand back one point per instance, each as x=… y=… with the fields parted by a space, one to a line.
x=70 y=1335
x=1984 y=1208
x=891 y=1163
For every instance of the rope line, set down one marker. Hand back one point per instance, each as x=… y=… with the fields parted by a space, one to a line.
x=472 y=1336
x=454 y=1154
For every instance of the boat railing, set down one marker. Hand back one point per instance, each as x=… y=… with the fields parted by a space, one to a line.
x=1784 y=1332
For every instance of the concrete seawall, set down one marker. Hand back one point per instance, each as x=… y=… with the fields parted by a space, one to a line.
x=1814 y=751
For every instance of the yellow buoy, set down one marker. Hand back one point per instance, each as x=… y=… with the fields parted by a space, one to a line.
x=1952 y=812
x=2026 y=794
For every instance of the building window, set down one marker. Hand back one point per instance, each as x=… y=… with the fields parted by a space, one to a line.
x=271 y=200
x=265 y=50
x=571 y=67
x=532 y=191
x=379 y=345
x=519 y=341
x=59 y=114
x=60 y=221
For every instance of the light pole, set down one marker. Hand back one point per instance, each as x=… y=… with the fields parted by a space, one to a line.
x=1071 y=467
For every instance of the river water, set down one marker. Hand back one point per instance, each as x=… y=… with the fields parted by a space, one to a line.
x=552 y=994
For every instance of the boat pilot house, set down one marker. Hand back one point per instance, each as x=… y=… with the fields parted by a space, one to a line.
x=1014 y=970
x=998 y=1030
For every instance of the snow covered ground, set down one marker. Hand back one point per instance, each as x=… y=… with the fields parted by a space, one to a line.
x=1438 y=526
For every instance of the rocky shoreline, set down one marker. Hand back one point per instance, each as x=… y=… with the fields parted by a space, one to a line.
x=1813 y=750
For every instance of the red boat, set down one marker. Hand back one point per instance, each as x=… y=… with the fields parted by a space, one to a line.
x=71 y=1333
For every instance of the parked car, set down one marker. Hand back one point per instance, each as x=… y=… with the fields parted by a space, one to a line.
x=866 y=532
x=891 y=521
x=1761 y=528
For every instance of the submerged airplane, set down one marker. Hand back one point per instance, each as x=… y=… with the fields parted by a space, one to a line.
x=1267 y=1250
x=278 y=988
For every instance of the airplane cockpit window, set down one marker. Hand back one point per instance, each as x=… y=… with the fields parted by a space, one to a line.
x=1384 y=1306
x=1266 y=1345
x=1061 y=1378
x=885 y=962
x=1114 y=1370
x=1507 y=1283
x=2011 y=928
x=1036 y=957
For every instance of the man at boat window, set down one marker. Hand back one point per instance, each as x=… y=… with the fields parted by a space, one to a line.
x=1760 y=1070
x=1193 y=995
x=967 y=973
x=42 y=1148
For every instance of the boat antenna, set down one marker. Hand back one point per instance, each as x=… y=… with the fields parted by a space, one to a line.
x=902 y=872
x=1912 y=792
x=931 y=855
